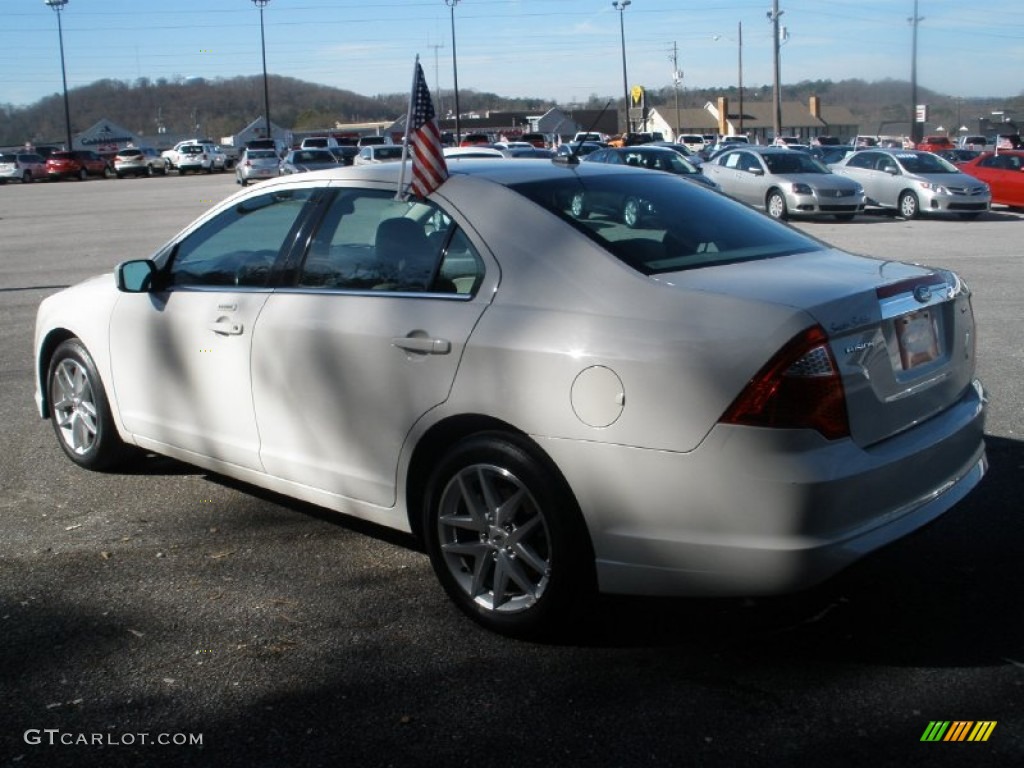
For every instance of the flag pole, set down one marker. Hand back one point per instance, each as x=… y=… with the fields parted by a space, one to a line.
x=405 y=139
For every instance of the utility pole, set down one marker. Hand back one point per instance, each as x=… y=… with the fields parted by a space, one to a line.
x=739 y=38
x=915 y=127
x=773 y=17
x=677 y=77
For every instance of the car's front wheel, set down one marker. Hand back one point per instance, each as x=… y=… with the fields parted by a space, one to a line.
x=79 y=410
x=776 y=205
x=505 y=536
x=908 y=205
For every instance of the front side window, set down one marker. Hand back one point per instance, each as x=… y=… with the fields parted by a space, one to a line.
x=368 y=241
x=239 y=246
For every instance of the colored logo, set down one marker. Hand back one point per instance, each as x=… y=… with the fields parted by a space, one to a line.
x=958 y=730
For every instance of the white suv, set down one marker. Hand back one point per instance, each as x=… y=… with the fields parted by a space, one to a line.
x=193 y=155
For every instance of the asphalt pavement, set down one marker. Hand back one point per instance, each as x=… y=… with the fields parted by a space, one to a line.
x=170 y=617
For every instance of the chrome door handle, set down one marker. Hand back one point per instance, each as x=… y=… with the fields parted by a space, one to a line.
x=423 y=345
x=226 y=328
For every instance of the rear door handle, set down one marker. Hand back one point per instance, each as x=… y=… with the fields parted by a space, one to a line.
x=226 y=328
x=423 y=345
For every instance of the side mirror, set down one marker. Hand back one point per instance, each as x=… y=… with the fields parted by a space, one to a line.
x=135 y=276
x=892 y=170
x=757 y=171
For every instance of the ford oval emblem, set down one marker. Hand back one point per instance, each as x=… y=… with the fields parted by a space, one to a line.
x=923 y=293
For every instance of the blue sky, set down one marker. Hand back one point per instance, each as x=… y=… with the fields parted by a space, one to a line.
x=564 y=50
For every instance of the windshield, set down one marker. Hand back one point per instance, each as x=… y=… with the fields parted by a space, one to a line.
x=925 y=162
x=793 y=161
x=678 y=224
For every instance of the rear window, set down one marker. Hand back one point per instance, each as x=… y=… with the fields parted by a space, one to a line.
x=682 y=225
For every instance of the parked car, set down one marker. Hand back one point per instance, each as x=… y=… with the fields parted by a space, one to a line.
x=200 y=157
x=957 y=156
x=1003 y=172
x=934 y=143
x=318 y=142
x=77 y=164
x=372 y=141
x=139 y=161
x=256 y=165
x=973 y=141
x=718 y=405
x=580 y=149
x=278 y=146
x=539 y=140
x=303 y=160
x=380 y=153
x=25 y=167
x=785 y=183
x=346 y=153
x=475 y=140
x=915 y=182
x=653 y=158
x=473 y=153
x=692 y=141
x=528 y=153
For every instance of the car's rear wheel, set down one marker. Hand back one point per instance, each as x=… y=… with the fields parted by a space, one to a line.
x=776 y=205
x=83 y=174
x=26 y=178
x=578 y=206
x=79 y=409
x=631 y=212
x=908 y=205
x=505 y=536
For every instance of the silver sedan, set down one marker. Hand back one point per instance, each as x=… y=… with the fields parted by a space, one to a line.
x=914 y=182
x=785 y=182
x=711 y=404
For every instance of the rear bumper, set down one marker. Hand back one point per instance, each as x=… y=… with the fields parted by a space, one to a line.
x=760 y=511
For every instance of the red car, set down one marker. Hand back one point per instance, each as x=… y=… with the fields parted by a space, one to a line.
x=475 y=140
x=80 y=164
x=935 y=144
x=1003 y=171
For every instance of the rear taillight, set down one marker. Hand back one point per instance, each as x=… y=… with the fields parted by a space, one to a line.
x=799 y=388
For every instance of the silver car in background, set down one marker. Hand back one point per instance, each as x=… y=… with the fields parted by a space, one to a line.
x=255 y=165
x=914 y=182
x=785 y=182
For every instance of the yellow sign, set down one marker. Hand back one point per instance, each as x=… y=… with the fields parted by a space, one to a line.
x=637 y=95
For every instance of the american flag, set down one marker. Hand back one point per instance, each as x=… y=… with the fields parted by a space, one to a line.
x=424 y=139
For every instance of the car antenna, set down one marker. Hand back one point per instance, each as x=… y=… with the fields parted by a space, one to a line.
x=573 y=157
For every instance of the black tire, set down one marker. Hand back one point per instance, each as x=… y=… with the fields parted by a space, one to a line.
x=908 y=206
x=26 y=177
x=775 y=204
x=83 y=175
x=506 y=538
x=79 y=410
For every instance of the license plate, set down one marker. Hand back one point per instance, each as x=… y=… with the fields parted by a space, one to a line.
x=917 y=337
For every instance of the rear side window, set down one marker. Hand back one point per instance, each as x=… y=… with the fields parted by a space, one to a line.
x=368 y=241
x=657 y=223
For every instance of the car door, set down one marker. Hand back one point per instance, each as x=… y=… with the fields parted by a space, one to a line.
x=1004 y=176
x=862 y=168
x=366 y=341
x=180 y=354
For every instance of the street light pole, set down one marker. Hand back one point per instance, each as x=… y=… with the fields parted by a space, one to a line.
x=261 y=4
x=58 y=6
x=620 y=6
x=455 y=72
